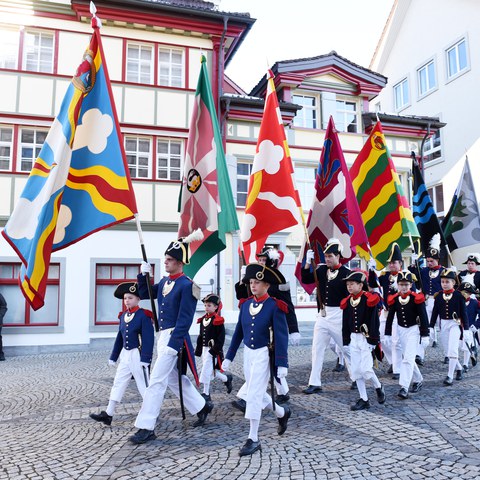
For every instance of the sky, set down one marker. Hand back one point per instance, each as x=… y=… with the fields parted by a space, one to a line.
x=287 y=30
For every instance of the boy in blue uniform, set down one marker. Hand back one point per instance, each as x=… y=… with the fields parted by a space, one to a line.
x=469 y=290
x=177 y=297
x=134 y=347
x=449 y=305
x=360 y=331
x=210 y=345
x=262 y=327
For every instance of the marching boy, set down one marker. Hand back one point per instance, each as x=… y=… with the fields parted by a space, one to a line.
x=134 y=347
x=472 y=305
x=412 y=319
x=450 y=307
x=360 y=330
x=262 y=326
x=210 y=345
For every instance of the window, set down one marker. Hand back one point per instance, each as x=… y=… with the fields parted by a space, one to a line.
x=38 y=52
x=169 y=159
x=457 y=60
x=171 y=67
x=436 y=194
x=19 y=311
x=6 y=136
x=305 y=181
x=243 y=175
x=307 y=116
x=31 y=142
x=9 y=50
x=346 y=116
x=107 y=278
x=426 y=78
x=139 y=63
x=401 y=94
x=138 y=152
x=432 y=148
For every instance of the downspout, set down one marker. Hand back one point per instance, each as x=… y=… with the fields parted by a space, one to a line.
x=422 y=145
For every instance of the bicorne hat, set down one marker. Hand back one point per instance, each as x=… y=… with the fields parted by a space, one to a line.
x=126 y=287
x=263 y=273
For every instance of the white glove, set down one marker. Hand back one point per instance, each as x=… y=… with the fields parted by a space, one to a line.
x=171 y=352
x=431 y=332
x=310 y=256
x=387 y=341
x=295 y=338
x=144 y=364
x=282 y=372
x=414 y=257
x=453 y=268
x=111 y=363
x=371 y=347
x=473 y=328
x=372 y=264
x=243 y=270
x=425 y=341
x=226 y=364
x=145 y=268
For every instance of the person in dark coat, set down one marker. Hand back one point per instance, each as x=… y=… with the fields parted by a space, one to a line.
x=472 y=263
x=3 y=311
x=468 y=289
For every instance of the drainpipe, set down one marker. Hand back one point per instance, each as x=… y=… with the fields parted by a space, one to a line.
x=422 y=145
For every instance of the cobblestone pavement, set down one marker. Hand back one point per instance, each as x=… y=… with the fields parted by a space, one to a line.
x=45 y=431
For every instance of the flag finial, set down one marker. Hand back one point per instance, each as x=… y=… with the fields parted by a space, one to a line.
x=96 y=22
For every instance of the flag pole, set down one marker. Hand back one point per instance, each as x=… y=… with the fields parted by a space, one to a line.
x=320 y=304
x=147 y=276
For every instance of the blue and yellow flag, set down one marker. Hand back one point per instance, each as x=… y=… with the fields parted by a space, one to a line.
x=79 y=183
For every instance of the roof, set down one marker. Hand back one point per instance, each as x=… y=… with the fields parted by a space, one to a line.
x=370 y=118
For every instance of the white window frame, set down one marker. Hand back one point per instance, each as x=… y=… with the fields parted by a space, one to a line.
x=168 y=79
x=404 y=102
x=6 y=148
x=432 y=146
x=305 y=186
x=139 y=157
x=433 y=192
x=243 y=177
x=455 y=48
x=23 y=146
x=341 y=114
x=173 y=172
x=134 y=65
x=300 y=119
x=430 y=84
x=38 y=51
x=10 y=41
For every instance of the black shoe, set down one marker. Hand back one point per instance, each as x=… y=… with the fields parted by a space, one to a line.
x=419 y=360
x=282 y=422
x=228 y=383
x=143 y=436
x=445 y=361
x=353 y=386
x=381 y=394
x=459 y=375
x=403 y=393
x=240 y=405
x=473 y=359
x=282 y=398
x=207 y=397
x=465 y=369
x=396 y=376
x=2 y=357
x=434 y=344
x=312 y=389
x=203 y=414
x=416 y=387
x=338 y=367
x=250 y=447
x=390 y=370
x=103 y=417
x=448 y=382
x=361 y=404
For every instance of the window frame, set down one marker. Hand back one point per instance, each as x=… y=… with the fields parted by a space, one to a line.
x=9 y=145
x=300 y=120
x=15 y=48
x=25 y=52
x=34 y=146
x=429 y=88
x=430 y=148
x=454 y=46
x=344 y=112
x=139 y=62
x=137 y=153
x=243 y=177
x=169 y=157
x=171 y=50
x=434 y=196
x=305 y=185
x=405 y=104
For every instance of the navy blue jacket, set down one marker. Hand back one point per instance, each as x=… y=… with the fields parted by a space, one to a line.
x=431 y=280
x=332 y=291
x=137 y=333
x=254 y=330
x=473 y=310
x=445 y=309
x=407 y=313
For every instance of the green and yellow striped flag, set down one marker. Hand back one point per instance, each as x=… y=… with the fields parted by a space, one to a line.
x=383 y=205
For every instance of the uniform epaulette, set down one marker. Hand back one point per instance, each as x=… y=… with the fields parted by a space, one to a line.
x=243 y=300
x=344 y=302
x=391 y=298
x=120 y=314
x=148 y=313
x=281 y=305
x=383 y=272
x=199 y=320
x=196 y=290
x=218 y=320
x=418 y=297
x=436 y=293
x=372 y=299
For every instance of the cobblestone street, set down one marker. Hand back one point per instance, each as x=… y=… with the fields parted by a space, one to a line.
x=46 y=431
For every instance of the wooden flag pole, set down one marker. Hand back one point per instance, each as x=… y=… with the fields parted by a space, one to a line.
x=147 y=276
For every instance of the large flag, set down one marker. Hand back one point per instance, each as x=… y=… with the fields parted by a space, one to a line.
x=461 y=225
x=383 y=205
x=273 y=202
x=79 y=183
x=206 y=199
x=334 y=212
x=423 y=212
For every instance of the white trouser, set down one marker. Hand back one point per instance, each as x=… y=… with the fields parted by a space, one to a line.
x=129 y=364
x=208 y=373
x=326 y=328
x=409 y=337
x=361 y=359
x=450 y=337
x=429 y=302
x=337 y=351
x=165 y=374
x=392 y=352
x=387 y=348
x=281 y=389
x=464 y=344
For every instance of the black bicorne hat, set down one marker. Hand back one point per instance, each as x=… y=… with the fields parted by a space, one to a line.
x=473 y=257
x=406 y=276
x=180 y=249
x=212 y=298
x=468 y=287
x=126 y=287
x=395 y=253
x=273 y=257
x=358 y=276
x=333 y=246
x=263 y=273
x=449 y=273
